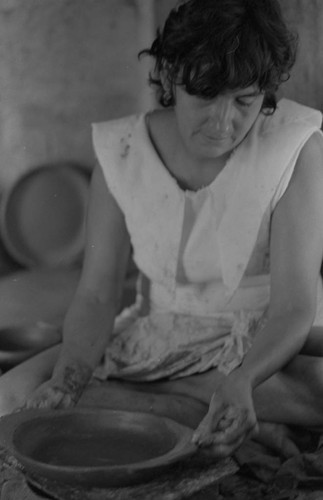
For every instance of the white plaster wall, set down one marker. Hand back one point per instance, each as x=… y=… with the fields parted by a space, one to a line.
x=306 y=82
x=63 y=65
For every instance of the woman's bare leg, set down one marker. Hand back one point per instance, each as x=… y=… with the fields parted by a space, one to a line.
x=297 y=391
x=19 y=382
x=314 y=343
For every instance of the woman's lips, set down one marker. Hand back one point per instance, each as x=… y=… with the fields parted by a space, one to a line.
x=216 y=138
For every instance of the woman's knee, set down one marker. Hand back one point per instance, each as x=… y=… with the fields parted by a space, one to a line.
x=306 y=372
x=314 y=342
x=19 y=382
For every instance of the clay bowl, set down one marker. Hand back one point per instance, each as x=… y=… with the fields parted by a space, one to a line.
x=42 y=217
x=97 y=447
x=19 y=343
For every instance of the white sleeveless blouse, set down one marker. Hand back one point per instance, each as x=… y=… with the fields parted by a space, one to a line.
x=204 y=256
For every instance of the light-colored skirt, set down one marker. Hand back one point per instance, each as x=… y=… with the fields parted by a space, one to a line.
x=168 y=345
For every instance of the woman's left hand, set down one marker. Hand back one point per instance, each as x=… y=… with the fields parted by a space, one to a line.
x=230 y=420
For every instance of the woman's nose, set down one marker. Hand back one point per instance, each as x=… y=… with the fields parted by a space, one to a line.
x=221 y=115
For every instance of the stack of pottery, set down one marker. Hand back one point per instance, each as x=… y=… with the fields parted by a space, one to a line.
x=42 y=226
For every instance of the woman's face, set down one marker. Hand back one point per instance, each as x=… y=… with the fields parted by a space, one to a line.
x=211 y=128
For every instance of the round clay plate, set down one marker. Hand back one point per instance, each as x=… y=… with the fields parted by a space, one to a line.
x=99 y=448
x=43 y=215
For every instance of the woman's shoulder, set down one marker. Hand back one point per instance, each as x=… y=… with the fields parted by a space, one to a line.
x=287 y=114
x=113 y=139
x=297 y=153
x=310 y=158
x=282 y=134
x=118 y=126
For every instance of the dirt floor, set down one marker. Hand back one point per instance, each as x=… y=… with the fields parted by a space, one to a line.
x=181 y=484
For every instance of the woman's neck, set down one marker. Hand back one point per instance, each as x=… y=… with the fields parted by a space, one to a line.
x=190 y=172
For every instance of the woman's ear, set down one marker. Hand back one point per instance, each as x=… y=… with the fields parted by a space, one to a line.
x=164 y=80
x=168 y=90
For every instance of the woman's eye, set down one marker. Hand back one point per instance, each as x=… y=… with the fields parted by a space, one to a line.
x=243 y=101
x=246 y=100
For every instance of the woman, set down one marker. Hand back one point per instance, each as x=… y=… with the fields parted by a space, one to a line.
x=220 y=196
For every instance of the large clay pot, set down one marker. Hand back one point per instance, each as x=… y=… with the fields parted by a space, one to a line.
x=43 y=216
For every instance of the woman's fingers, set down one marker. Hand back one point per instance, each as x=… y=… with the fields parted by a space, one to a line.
x=203 y=434
x=66 y=402
x=223 y=435
x=51 y=397
x=223 y=450
x=241 y=426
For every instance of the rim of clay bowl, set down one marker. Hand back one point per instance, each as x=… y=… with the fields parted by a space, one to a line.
x=38 y=430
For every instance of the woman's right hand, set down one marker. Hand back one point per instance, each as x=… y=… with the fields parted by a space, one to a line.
x=48 y=395
x=63 y=390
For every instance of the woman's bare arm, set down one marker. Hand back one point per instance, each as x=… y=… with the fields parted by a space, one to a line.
x=296 y=255
x=295 y=261
x=90 y=317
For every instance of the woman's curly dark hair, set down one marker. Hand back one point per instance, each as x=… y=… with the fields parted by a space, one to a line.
x=211 y=46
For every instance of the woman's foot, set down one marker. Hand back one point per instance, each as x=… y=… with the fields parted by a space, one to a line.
x=277 y=437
